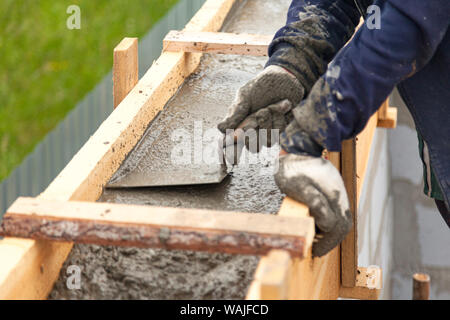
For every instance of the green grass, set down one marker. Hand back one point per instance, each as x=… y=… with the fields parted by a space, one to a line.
x=45 y=68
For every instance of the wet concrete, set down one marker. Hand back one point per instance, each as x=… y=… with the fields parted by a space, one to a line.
x=119 y=273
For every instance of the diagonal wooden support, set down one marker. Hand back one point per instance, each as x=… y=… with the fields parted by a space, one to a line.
x=157 y=227
x=217 y=42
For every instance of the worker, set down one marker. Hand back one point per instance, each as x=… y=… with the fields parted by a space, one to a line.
x=326 y=93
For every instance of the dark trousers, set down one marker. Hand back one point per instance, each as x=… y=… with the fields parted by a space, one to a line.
x=445 y=213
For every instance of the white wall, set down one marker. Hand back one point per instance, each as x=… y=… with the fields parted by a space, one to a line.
x=421 y=239
x=399 y=228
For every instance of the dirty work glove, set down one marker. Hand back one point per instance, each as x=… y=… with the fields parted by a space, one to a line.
x=264 y=102
x=315 y=182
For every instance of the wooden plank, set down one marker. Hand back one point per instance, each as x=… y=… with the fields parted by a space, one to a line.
x=156 y=227
x=387 y=115
x=335 y=159
x=363 y=147
x=83 y=178
x=390 y=122
x=367 y=286
x=125 y=69
x=273 y=276
x=217 y=42
x=355 y=158
x=349 y=253
x=383 y=111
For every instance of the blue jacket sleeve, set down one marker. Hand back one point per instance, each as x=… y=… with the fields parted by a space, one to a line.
x=314 y=33
x=362 y=74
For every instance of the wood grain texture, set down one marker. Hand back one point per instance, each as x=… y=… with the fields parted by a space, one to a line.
x=355 y=158
x=272 y=277
x=125 y=69
x=390 y=122
x=217 y=42
x=349 y=253
x=363 y=148
x=156 y=227
x=29 y=268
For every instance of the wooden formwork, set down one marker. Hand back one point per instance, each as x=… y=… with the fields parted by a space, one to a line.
x=29 y=268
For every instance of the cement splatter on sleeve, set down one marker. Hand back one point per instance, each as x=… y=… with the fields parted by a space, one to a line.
x=363 y=74
x=315 y=31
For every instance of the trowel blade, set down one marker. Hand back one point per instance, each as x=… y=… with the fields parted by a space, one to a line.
x=172 y=177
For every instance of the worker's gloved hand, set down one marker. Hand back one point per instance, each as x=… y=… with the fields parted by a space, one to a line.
x=308 y=178
x=315 y=182
x=264 y=102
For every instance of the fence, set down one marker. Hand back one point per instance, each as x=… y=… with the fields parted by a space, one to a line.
x=61 y=144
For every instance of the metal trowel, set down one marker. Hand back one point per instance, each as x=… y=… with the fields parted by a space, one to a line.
x=164 y=173
x=171 y=177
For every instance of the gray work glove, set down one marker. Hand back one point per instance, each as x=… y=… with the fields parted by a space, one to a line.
x=306 y=177
x=264 y=102
x=315 y=182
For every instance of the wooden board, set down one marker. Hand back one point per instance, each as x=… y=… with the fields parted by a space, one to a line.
x=355 y=157
x=349 y=253
x=363 y=147
x=29 y=268
x=272 y=278
x=217 y=42
x=125 y=69
x=157 y=227
x=390 y=122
